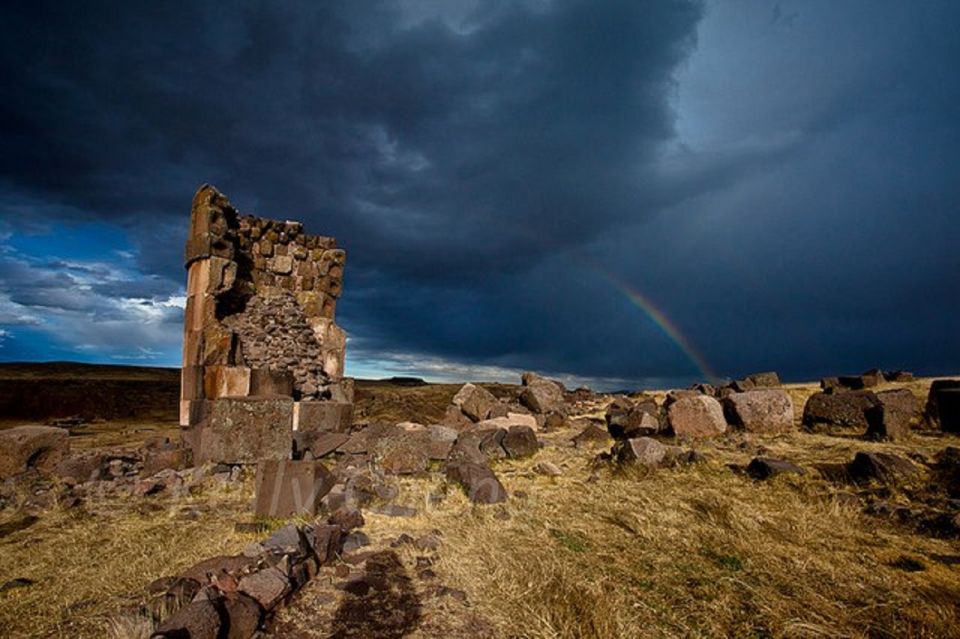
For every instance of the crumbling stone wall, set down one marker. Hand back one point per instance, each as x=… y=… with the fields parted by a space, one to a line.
x=260 y=313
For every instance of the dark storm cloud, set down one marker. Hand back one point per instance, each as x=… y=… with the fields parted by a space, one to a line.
x=498 y=171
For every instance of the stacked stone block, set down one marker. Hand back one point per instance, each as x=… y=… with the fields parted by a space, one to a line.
x=260 y=337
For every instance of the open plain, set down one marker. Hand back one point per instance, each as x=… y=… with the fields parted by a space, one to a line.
x=582 y=546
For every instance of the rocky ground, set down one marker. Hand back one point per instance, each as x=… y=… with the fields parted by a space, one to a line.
x=785 y=532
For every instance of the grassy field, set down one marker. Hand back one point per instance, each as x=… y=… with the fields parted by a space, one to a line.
x=695 y=551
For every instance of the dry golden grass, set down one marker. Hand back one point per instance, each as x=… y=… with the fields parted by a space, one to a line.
x=688 y=552
x=698 y=551
x=89 y=564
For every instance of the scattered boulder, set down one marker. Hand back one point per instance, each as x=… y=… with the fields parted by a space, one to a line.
x=645 y=451
x=767 y=467
x=455 y=418
x=824 y=411
x=871 y=378
x=479 y=482
x=763 y=410
x=591 y=434
x=542 y=395
x=696 y=417
x=891 y=417
x=677 y=394
x=626 y=419
x=32 y=447
x=520 y=441
x=764 y=380
x=81 y=468
x=706 y=389
x=555 y=421
x=886 y=468
x=475 y=402
x=898 y=376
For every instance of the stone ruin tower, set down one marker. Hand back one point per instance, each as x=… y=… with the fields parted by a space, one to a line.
x=262 y=355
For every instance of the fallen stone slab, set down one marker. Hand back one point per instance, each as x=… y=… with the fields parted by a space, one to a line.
x=763 y=410
x=267 y=587
x=893 y=414
x=32 y=447
x=826 y=411
x=696 y=417
x=290 y=487
x=886 y=468
x=479 y=482
x=767 y=467
x=316 y=444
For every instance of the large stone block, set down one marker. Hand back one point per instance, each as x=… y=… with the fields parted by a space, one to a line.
x=893 y=414
x=343 y=390
x=226 y=381
x=696 y=417
x=191 y=382
x=948 y=409
x=26 y=447
x=287 y=488
x=824 y=411
x=763 y=410
x=268 y=382
x=334 y=417
x=246 y=430
x=932 y=410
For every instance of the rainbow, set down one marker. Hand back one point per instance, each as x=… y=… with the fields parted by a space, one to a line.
x=657 y=316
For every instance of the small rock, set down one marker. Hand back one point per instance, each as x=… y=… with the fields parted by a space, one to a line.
x=394 y=510
x=355 y=541
x=766 y=467
x=548 y=468
x=427 y=542
x=19 y=582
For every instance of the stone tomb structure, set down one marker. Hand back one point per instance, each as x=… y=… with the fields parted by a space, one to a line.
x=263 y=356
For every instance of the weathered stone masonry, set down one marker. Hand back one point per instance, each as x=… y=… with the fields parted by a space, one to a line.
x=262 y=352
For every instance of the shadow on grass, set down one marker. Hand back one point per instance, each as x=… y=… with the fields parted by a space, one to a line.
x=381 y=604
